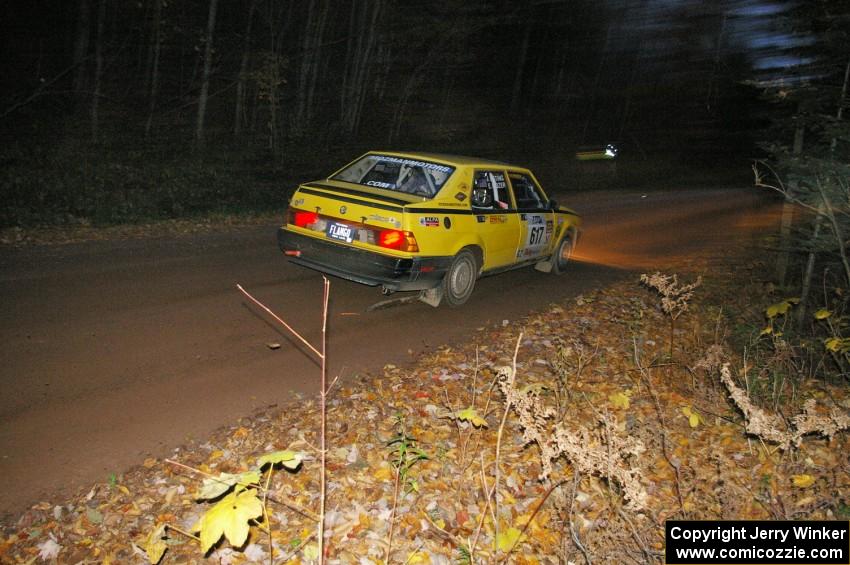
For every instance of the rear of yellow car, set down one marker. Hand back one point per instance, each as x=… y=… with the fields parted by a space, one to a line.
x=361 y=231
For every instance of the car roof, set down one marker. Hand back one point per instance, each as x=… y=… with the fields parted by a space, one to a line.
x=449 y=159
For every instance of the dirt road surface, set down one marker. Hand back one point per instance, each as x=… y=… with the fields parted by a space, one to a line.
x=114 y=351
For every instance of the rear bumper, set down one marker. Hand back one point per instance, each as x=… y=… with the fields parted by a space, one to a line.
x=364 y=267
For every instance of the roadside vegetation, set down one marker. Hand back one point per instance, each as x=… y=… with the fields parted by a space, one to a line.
x=569 y=435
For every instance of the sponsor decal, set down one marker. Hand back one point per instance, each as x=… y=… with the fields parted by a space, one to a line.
x=380 y=184
x=298 y=202
x=523 y=217
x=498 y=219
x=537 y=236
x=343 y=209
x=429 y=221
x=460 y=196
x=535 y=220
x=379 y=218
x=447 y=222
x=449 y=204
x=414 y=163
x=549 y=227
x=481 y=219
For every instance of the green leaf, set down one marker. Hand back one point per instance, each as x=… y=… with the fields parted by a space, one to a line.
x=838 y=344
x=413 y=485
x=289 y=459
x=507 y=539
x=214 y=487
x=471 y=415
x=822 y=314
x=781 y=307
x=229 y=518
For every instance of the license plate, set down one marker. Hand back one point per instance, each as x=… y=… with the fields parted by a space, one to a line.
x=341 y=232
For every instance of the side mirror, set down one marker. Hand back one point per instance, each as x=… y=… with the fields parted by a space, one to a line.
x=553 y=205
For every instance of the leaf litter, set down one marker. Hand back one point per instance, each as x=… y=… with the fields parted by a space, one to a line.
x=595 y=369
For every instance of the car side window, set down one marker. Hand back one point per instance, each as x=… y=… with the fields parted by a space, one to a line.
x=528 y=195
x=489 y=191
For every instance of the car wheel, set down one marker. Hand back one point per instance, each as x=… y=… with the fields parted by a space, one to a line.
x=460 y=278
x=562 y=255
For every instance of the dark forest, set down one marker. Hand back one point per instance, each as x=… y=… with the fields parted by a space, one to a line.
x=115 y=111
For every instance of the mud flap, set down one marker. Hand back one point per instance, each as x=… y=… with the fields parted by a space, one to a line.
x=432 y=296
x=544 y=266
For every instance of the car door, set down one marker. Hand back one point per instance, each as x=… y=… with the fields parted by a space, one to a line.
x=536 y=220
x=496 y=219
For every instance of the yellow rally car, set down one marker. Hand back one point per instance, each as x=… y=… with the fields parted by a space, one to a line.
x=427 y=222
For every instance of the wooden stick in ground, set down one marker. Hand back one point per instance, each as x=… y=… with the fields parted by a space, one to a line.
x=323 y=393
x=531 y=519
x=497 y=471
x=284 y=324
x=392 y=515
x=324 y=396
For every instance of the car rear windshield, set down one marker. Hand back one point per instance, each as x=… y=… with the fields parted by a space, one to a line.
x=400 y=174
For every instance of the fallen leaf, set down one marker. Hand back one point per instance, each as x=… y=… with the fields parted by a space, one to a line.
x=620 y=400
x=49 y=549
x=471 y=415
x=694 y=419
x=507 y=539
x=229 y=518
x=289 y=459
x=154 y=545
x=383 y=474
x=311 y=551
x=802 y=481
x=213 y=487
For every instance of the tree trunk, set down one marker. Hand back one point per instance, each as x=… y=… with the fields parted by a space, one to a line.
x=357 y=72
x=594 y=93
x=350 y=57
x=241 y=85
x=824 y=210
x=414 y=78
x=98 y=71
x=154 y=74
x=787 y=218
x=205 y=81
x=810 y=269
x=312 y=51
x=81 y=46
x=516 y=93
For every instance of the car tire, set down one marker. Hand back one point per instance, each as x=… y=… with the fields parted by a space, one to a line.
x=460 y=278
x=562 y=255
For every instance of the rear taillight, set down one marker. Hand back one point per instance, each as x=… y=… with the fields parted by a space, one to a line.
x=388 y=239
x=303 y=219
x=399 y=240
